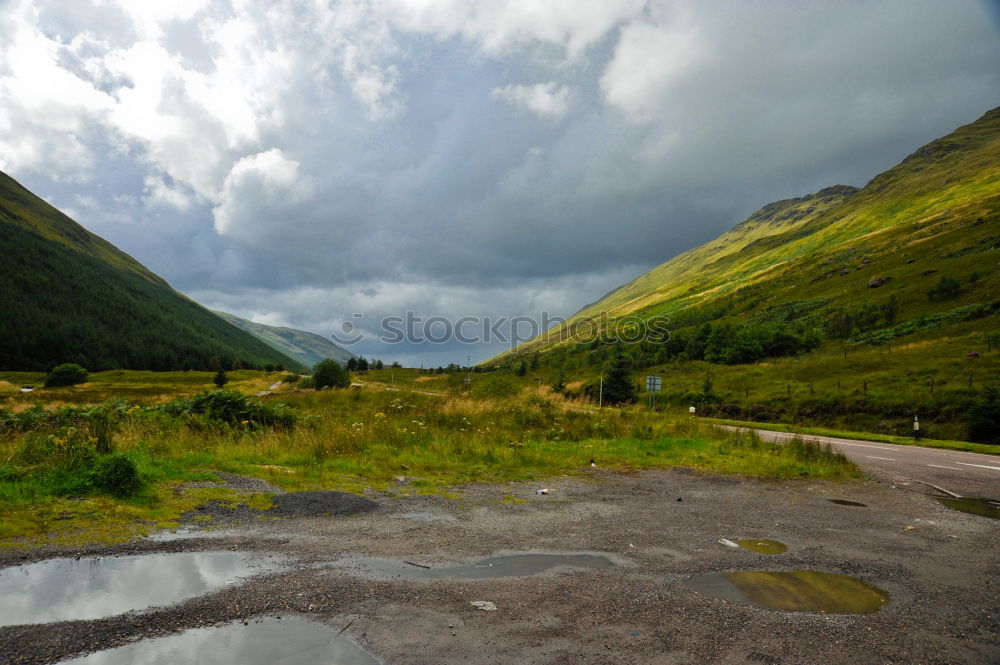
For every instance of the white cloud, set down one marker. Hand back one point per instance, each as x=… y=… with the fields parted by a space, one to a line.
x=548 y=100
x=260 y=198
x=158 y=193
x=648 y=61
x=501 y=27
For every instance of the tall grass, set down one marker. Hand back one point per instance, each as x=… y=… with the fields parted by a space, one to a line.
x=395 y=442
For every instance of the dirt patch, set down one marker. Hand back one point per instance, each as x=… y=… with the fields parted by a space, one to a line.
x=320 y=503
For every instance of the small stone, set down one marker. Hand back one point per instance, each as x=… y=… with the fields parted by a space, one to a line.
x=876 y=282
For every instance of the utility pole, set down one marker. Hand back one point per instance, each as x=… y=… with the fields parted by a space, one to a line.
x=600 y=394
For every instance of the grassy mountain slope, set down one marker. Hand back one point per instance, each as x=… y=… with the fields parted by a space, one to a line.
x=305 y=347
x=68 y=296
x=21 y=207
x=898 y=283
x=934 y=214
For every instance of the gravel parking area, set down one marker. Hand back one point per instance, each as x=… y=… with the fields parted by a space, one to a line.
x=938 y=566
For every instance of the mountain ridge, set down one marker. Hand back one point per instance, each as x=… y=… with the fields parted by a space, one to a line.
x=70 y=296
x=306 y=347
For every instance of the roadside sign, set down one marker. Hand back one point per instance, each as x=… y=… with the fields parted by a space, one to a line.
x=653 y=384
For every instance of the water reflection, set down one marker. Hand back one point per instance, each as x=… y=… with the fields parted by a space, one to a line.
x=763 y=545
x=981 y=507
x=90 y=588
x=285 y=642
x=516 y=565
x=796 y=591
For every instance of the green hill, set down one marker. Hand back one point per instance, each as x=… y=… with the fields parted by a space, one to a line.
x=904 y=272
x=21 y=207
x=70 y=296
x=933 y=215
x=305 y=347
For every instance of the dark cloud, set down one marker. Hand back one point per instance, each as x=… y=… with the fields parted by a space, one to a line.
x=298 y=164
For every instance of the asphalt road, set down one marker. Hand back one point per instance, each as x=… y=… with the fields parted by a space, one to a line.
x=958 y=472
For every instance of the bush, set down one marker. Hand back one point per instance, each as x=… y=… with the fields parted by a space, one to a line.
x=496 y=386
x=232 y=408
x=618 y=388
x=67 y=374
x=291 y=379
x=983 y=420
x=946 y=289
x=116 y=475
x=329 y=373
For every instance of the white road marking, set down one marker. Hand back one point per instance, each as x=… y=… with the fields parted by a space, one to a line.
x=859 y=445
x=938 y=466
x=887 y=459
x=835 y=442
x=981 y=466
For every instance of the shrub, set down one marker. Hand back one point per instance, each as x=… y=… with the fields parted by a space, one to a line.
x=116 y=475
x=618 y=388
x=291 y=378
x=67 y=374
x=232 y=408
x=220 y=379
x=496 y=386
x=946 y=289
x=329 y=373
x=983 y=420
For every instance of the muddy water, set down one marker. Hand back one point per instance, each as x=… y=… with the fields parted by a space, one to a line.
x=981 y=507
x=90 y=588
x=517 y=565
x=763 y=546
x=288 y=641
x=796 y=591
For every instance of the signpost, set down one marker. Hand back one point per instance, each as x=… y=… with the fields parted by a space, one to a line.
x=653 y=385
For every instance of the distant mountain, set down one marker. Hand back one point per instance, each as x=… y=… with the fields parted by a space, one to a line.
x=831 y=261
x=305 y=347
x=68 y=295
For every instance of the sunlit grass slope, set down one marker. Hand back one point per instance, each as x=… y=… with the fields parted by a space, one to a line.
x=935 y=214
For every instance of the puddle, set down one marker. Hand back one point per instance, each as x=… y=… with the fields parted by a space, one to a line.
x=797 y=591
x=517 y=565
x=288 y=641
x=91 y=588
x=981 y=507
x=845 y=502
x=433 y=518
x=763 y=546
x=185 y=533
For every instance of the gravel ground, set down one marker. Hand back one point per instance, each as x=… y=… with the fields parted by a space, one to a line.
x=939 y=567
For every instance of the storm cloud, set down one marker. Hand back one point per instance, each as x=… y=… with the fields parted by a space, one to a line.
x=301 y=162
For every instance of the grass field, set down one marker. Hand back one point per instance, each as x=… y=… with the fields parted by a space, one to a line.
x=934 y=374
x=148 y=387
x=349 y=440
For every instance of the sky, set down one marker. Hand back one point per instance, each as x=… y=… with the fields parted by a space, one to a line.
x=325 y=165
